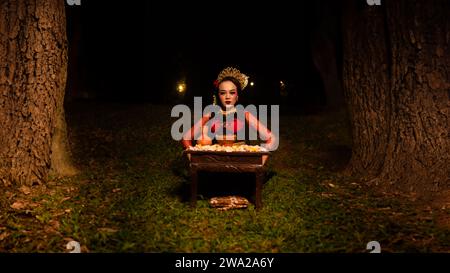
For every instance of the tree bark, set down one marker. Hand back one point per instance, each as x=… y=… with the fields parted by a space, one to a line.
x=33 y=60
x=419 y=150
x=396 y=81
x=365 y=79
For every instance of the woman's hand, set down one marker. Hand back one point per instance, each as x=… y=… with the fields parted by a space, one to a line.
x=204 y=138
x=264 y=132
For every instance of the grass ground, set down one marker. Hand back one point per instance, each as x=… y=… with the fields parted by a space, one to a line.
x=130 y=195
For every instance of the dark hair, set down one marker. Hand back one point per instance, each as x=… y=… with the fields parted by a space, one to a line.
x=231 y=79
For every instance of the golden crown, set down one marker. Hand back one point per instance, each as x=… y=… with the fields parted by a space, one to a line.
x=234 y=73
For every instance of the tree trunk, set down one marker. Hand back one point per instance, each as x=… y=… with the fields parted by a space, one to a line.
x=396 y=82
x=33 y=60
x=365 y=78
x=419 y=150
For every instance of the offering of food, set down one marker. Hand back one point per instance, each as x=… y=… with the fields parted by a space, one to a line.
x=229 y=202
x=226 y=140
x=233 y=148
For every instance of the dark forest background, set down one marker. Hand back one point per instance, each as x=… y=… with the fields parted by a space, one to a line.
x=138 y=51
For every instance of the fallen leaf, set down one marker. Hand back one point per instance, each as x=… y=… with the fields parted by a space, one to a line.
x=110 y=230
x=65 y=198
x=3 y=235
x=26 y=190
x=327 y=194
x=18 y=205
x=331 y=185
x=58 y=214
x=54 y=224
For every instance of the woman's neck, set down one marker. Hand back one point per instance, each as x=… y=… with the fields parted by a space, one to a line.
x=227 y=111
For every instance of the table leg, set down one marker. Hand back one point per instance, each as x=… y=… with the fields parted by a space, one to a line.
x=194 y=182
x=259 y=182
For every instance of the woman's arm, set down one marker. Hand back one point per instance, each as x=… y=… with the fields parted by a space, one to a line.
x=194 y=131
x=262 y=130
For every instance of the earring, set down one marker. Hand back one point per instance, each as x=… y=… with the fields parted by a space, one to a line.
x=214 y=100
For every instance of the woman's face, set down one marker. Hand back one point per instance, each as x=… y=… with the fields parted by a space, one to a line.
x=228 y=94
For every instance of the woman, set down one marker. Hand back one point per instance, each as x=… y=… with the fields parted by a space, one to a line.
x=229 y=84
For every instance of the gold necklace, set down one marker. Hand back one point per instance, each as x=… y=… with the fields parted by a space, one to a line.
x=228 y=111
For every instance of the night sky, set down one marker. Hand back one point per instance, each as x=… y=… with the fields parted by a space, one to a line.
x=137 y=51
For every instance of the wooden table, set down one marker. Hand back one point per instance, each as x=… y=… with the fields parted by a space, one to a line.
x=235 y=162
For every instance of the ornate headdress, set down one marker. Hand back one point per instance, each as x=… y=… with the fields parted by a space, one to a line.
x=234 y=73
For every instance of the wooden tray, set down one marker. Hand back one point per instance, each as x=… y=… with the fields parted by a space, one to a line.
x=223 y=157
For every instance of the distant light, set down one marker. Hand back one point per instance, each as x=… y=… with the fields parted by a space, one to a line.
x=181 y=87
x=252 y=83
x=283 y=91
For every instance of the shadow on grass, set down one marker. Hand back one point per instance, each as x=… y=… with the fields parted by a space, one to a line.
x=336 y=157
x=180 y=168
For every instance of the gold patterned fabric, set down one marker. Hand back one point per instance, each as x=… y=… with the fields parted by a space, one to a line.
x=229 y=202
